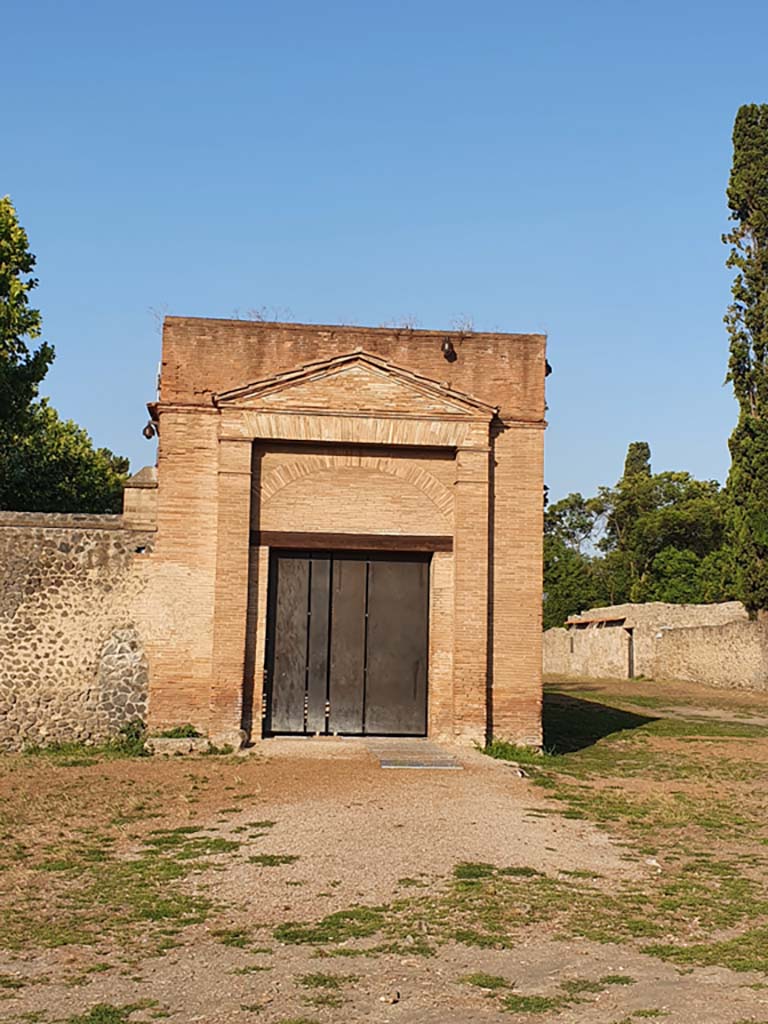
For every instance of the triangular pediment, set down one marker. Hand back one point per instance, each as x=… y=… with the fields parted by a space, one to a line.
x=356 y=383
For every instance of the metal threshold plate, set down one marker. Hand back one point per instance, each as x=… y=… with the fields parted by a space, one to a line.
x=449 y=766
x=418 y=754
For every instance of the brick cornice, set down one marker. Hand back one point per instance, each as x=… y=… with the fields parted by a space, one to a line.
x=205 y=408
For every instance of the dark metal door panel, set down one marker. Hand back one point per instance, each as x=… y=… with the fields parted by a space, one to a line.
x=396 y=677
x=291 y=603
x=347 y=645
x=317 y=652
x=353 y=632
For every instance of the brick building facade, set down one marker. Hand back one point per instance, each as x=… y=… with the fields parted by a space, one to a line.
x=349 y=529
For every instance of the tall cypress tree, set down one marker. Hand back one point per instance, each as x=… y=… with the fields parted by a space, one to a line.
x=747 y=323
x=638 y=460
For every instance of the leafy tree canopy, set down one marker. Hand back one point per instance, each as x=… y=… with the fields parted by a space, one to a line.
x=53 y=467
x=46 y=464
x=21 y=368
x=651 y=537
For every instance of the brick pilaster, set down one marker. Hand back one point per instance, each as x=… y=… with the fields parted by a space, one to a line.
x=515 y=620
x=470 y=651
x=231 y=590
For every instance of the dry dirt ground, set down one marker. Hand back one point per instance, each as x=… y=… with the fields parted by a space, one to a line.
x=621 y=878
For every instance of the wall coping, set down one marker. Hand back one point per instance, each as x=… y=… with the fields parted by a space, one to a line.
x=413 y=333
x=146 y=477
x=68 y=521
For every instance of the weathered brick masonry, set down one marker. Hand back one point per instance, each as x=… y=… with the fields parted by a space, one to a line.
x=269 y=432
x=402 y=447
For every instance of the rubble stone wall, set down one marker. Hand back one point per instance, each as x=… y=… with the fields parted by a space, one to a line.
x=72 y=658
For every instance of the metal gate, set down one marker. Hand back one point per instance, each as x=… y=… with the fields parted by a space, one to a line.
x=347 y=644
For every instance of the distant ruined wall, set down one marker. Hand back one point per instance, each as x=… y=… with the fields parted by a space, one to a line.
x=73 y=624
x=734 y=655
x=716 y=645
x=556 y=652
x=600 y=653
x=661 y=613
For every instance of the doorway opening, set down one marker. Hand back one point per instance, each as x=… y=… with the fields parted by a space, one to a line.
x=347 y=644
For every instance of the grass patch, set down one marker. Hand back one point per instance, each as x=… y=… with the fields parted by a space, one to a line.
x=187 y=731
x=185 y=845
x=334 y=982
x=504 y=751
x=213 y=751
x=106 y=1013
x=488 y=981
x=703 y=818
x=128 y=742
x=576 y=986
x=236 y=938
x=325 y=999
x=10 y=983
x=357 y=923
x=746 y=952
x=514 y=1003
x=58 y=865
x=471 y=871
x=272 y=860
x=104 y=894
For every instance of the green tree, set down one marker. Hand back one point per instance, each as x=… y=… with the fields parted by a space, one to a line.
x=652 y=537
x=674 y=576
x=747 y=323
x=21 y=367
x=46 y=464
x=574 y=520
x=717 y=576
x=53 y=467
x=638 y=460
x=649 y=513
x=570 y=581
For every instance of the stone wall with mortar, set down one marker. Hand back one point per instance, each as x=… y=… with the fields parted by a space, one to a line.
x=660 y=614
x=716 y=645
x=733 y=655
x=589 y=653
x=73 y=622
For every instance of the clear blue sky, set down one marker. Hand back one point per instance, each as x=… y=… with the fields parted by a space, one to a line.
x=554 y=167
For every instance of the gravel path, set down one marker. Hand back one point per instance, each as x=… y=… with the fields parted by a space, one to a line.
x=363 y=828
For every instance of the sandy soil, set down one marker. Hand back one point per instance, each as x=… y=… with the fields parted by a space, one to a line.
x=357 y=831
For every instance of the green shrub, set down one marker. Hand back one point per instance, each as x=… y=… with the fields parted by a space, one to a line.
x=187 y=731
x=504 y=751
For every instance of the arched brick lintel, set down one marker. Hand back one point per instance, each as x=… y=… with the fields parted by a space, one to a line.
x=432 y=488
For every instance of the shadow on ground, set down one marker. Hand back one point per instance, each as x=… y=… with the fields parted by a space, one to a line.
x=572 y=724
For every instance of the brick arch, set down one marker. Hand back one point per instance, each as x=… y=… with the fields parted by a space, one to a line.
x=421 y=479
